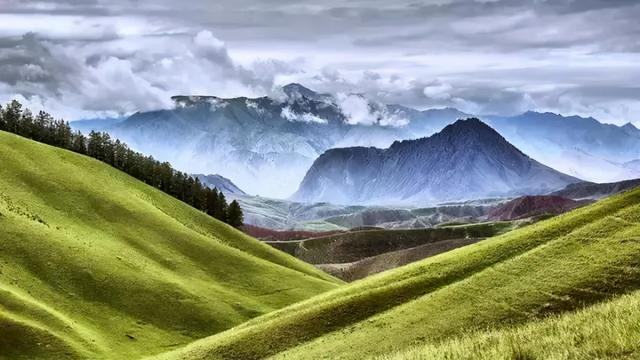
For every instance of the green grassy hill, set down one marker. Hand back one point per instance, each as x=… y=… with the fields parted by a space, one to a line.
x=95 y=264
x=604 y=331
x=555 y=266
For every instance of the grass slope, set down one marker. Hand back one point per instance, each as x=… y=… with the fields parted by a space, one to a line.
x=605 y=331
x=561 y=264
x=95 y=264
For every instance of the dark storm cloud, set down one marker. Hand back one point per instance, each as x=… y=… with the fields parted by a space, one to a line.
x=498 y=56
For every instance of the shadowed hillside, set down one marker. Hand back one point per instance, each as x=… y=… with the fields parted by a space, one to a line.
x=96 y=264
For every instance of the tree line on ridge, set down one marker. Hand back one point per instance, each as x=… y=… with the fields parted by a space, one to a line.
x=44 y=128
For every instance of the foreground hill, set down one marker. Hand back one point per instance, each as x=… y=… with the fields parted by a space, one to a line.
x=559 y=265
x=96 y=264
x=466 y=160
x=604 y=331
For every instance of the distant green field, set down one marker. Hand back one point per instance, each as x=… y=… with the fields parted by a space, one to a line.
x=357 y=254
x=96 y=264
x=555 y=266
x=356 y=245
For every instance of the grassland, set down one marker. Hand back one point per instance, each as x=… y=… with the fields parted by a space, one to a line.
x=610 y=330
x=556 y=266
x=95 y=264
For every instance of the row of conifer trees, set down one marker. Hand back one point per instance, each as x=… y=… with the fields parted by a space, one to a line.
x=44 y=128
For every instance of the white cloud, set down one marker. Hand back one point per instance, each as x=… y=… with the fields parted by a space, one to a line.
x=126 y=75
x=291 y=115
x=357 y=110
x=393 y=52
x=438 y=91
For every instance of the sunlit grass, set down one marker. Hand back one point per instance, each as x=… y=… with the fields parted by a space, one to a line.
x=605 y=331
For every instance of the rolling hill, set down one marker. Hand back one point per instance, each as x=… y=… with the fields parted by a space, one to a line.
x=96 y=264
x=604 y=331
x=560 y=265
x=395 y=248
x=357 y=254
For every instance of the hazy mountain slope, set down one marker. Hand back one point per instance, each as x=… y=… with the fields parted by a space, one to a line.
x=87 y=125
x=587 y=190
x=96 y=264
x=581 y=147
x=528 y=206
x=290 y=215
x=409 y=218
x=284 y=214
x=466 y=160
x=277 y=139
x=570 y=261
x=221 y=183
x=266 y=145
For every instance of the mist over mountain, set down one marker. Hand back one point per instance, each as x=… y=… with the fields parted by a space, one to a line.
x=582 y=147
x=466 y=160
x=266 y=145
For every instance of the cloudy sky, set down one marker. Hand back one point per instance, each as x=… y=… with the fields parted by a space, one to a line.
x=88 y=58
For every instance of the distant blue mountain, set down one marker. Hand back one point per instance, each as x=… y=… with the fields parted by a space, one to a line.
x=579 y=146
x=466 y=160
x=266 y=145
x=102 y=124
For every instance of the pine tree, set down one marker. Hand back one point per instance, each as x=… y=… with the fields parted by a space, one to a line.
x=220 y=212
x=235 y=217
x=2 y=123
x=211 y=196
x=79 y=143
x=11 y=115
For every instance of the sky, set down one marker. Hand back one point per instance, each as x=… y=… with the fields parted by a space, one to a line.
x=96 y=58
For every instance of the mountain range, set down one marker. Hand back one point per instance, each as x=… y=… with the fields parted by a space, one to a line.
x=267 y=144
x=466 y=160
